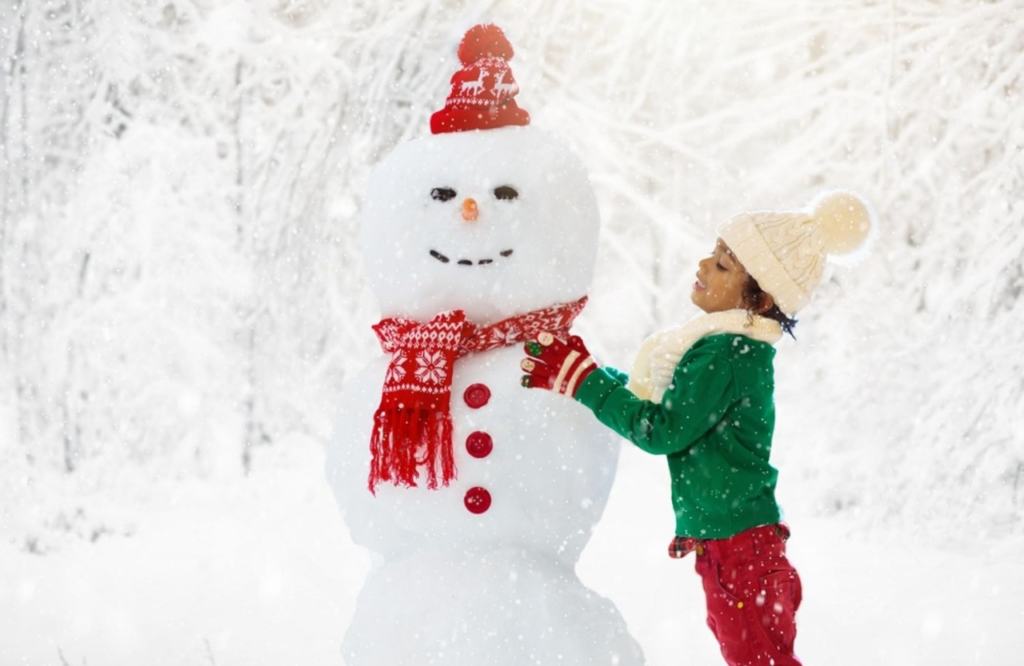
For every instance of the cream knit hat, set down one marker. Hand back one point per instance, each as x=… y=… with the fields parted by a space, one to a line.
x=786 y=251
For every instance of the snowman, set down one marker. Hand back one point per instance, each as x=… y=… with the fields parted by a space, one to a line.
x=475 y=496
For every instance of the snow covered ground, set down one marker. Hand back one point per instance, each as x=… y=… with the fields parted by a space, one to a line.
x=261 y=572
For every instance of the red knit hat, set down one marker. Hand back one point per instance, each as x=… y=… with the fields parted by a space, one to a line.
x=483 y=90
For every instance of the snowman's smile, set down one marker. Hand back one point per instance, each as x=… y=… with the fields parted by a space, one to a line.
x=468 y=262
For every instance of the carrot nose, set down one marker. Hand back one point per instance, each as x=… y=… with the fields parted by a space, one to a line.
x=470 y=211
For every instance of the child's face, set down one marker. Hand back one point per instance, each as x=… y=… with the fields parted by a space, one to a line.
x=720 y=281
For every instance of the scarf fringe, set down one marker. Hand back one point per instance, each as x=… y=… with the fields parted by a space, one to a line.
x=398 y=435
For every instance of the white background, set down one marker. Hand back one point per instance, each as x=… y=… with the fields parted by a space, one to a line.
x=181 y=298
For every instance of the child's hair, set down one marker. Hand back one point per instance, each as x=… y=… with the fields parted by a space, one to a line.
x=753 y=297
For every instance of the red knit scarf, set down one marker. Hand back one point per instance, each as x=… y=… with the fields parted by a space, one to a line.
x=412 y=428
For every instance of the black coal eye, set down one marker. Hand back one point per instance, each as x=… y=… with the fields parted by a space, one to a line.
x=442 y=193
x=506 y=193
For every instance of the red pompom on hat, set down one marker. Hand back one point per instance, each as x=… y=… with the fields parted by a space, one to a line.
x=483 y=91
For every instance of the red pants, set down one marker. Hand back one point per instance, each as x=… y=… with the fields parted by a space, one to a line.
x=753 y=593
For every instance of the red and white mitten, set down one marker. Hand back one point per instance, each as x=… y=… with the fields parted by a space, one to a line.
x=556 y=365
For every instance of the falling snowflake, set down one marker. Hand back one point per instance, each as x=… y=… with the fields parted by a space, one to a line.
x=431 y=368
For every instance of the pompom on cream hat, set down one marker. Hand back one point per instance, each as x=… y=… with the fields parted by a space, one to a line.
x=786 y=251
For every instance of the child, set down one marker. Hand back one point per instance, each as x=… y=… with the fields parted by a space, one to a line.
x=701 y=395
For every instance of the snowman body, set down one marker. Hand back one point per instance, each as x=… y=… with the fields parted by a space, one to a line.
x=481 y=571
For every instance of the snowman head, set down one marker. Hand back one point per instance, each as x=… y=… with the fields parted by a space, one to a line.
x=487 y=215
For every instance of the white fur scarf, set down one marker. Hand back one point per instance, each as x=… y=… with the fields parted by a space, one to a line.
x=660 y=353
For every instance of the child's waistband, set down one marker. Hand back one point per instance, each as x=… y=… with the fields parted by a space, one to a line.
x=755 y=541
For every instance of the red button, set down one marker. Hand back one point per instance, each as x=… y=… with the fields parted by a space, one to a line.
x=477 y=395
x=477 y=500
x=479 y=444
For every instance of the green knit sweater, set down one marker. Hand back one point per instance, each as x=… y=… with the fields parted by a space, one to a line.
x=714 y=424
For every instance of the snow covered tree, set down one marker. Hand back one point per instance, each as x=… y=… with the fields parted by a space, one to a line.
x=180 y=277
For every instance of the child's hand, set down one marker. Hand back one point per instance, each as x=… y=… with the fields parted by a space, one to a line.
x=556 y=365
